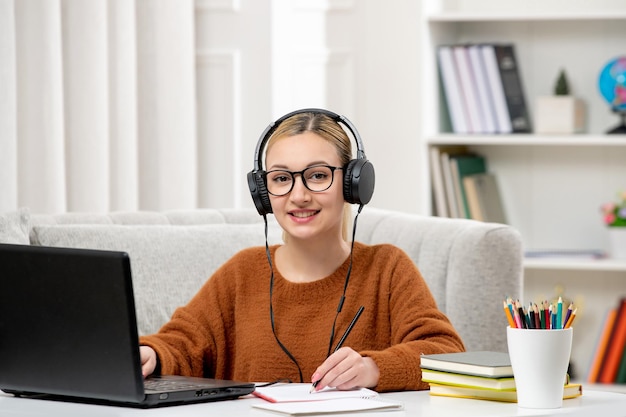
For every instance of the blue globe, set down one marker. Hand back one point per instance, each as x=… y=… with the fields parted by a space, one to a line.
x=612 y=83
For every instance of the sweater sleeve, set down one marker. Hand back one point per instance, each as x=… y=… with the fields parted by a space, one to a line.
x=417 y=327
x=189 y=343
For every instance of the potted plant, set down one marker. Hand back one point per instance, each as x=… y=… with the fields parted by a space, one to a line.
x=560 y=113
x=614 y=216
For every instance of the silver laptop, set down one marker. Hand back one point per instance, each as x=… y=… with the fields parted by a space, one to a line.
x=68 y=330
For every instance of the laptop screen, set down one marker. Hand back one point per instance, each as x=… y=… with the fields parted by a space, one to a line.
x=67 y=323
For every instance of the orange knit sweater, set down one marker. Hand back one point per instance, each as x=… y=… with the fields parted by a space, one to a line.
x=225 y=331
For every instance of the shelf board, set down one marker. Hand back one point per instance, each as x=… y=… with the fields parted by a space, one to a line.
x=526 y=16
x=528 y=140
x=614 y=265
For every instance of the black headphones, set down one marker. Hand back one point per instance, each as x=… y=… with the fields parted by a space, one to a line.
x=358 y=177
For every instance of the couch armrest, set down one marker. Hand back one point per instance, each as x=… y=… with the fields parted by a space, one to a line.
x=469 y=266
x=486 y=266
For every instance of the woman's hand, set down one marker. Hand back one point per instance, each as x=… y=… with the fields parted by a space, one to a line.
x=148 y=360
x=346 y=369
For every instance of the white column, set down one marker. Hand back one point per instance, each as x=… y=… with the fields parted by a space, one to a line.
x=86 y=104
x=124 y=171
x=40 y=126
x=8 y=110
x=167 y=117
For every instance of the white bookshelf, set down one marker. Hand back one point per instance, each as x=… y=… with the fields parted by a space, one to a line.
x=552 y=185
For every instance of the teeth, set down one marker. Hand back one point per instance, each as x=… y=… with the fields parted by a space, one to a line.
x=303 y=215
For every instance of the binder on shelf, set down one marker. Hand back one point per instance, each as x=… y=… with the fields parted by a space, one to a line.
x=482 y=87
x=495 y=89
x=469 y=89
x=511 y=79
x=452 y=89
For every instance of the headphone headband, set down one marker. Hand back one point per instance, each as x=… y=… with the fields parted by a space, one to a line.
x=269 y=130
x=358 y=181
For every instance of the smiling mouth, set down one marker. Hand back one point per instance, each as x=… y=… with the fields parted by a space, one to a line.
x=304 y=214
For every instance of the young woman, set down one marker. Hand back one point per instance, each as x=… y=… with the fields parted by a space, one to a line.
x=279 y=312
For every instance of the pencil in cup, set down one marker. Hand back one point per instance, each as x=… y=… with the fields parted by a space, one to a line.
x=544 y=316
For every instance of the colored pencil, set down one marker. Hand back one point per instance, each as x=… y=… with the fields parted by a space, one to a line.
x=507 y=312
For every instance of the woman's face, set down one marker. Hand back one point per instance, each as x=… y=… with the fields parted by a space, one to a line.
x=302 y=213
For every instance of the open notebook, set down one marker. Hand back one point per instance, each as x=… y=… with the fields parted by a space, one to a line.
x=296 y=400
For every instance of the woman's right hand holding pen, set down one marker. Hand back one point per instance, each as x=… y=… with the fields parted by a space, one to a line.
x=346 y=369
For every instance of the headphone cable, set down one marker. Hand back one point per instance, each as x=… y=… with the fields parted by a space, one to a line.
x=345 y=285
x=341 y=300
x=269 y=259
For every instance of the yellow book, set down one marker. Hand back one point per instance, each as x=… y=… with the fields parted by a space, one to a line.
x=569 y=391
x=471 y=381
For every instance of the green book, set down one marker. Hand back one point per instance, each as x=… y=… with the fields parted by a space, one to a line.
x=463 y=165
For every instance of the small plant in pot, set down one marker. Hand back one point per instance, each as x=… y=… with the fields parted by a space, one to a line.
x=560 y=113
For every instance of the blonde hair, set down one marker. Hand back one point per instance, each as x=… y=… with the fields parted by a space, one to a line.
x=331 y=131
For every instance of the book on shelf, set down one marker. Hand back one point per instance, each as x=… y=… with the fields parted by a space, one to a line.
x=478 y=363
x=601 y=345
x=450 y=184
x=570 y=390
x=620 y=378
x=439 y=184
x=463 y=165
x=472 y=381
x=440 y=203
x=615 y=347
x=483 y=198
x=452 y=89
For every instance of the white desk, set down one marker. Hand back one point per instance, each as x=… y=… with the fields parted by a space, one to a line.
x=592 y=403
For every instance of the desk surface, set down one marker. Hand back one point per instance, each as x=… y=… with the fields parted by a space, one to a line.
x=592 y=403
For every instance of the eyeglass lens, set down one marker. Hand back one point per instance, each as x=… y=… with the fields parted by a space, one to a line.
x=316 y=179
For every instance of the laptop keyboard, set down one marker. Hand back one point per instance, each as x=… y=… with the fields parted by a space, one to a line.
x=170 y=385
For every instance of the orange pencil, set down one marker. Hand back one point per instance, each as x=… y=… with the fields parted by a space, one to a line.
x=509 y=317
x=571 y=319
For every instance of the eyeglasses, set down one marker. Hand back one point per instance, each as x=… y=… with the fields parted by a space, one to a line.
x=316 y=178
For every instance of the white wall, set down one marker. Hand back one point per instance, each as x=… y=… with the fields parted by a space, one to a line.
x=357 y=58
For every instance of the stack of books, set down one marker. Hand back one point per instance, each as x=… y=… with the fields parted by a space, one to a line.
x=482 y=375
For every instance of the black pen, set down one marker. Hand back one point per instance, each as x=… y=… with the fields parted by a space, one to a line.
x=343 y=338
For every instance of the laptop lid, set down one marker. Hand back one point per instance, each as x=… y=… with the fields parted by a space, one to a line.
x=68 y=328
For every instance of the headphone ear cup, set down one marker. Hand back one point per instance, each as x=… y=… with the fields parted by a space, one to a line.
x=358 y=181
x=258 y=191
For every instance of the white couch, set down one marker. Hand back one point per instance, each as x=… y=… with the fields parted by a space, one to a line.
x=470 y=266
